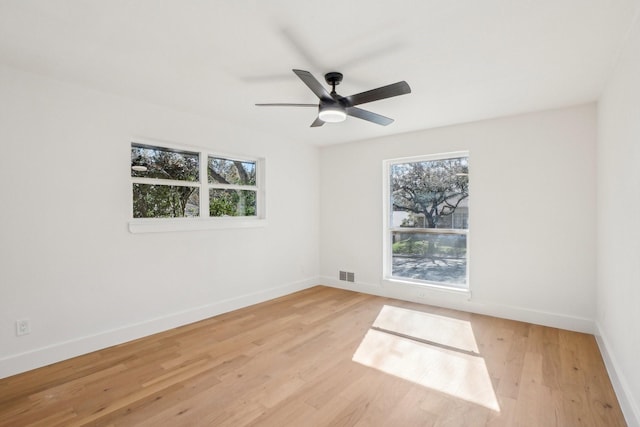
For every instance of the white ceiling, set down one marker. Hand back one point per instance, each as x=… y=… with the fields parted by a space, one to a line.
x=465 y=60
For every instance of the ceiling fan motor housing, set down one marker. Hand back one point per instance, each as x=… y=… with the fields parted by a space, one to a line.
x=333 y=78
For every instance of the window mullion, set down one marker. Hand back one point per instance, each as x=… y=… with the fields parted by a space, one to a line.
x=168 y=182
x=416 y=230
x=233 y=187
x=204 y=190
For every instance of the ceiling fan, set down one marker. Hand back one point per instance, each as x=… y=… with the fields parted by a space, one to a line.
x=334 y=108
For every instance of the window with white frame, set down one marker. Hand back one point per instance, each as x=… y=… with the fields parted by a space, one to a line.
x=168 y=183
x=232 y=187
x=426 y=225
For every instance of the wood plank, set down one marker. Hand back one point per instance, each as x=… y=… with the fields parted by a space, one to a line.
x=315 y=358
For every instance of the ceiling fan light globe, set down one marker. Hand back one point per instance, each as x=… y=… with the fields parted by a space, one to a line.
x=332 y=115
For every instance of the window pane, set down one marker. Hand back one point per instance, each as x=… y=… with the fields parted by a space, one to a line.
x=162 y=163
x=163 y=201
x=433 y=257
x=430 y=194
x=232 y=202
x=225 y=171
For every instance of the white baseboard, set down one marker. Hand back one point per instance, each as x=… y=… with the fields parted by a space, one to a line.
x=57 y=352
x=463 y=301
x=623 y=392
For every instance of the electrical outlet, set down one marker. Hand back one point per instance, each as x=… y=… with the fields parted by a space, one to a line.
x=23 y=327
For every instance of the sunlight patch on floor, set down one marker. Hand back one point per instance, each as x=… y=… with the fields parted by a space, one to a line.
x=446 y=331
x=457 y=373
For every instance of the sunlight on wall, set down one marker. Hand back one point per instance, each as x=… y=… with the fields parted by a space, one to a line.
x=439 y=367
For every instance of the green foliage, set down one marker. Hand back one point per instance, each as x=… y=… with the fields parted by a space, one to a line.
x=164 y=201
x=232 y=203
x=419 y=245
x=410 y=247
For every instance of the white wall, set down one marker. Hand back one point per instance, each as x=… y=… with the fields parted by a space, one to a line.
x=532 y=214
x=618 y=288
x=67 y=260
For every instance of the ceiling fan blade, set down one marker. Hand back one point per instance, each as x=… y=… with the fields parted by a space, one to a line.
x=313 y=84
x=284 y=104
x=395 y=89
x=317 y=122
x=294 y=39
x=369 y=116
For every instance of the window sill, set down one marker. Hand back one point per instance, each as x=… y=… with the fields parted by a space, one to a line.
x=164 y=225
x=426 y=287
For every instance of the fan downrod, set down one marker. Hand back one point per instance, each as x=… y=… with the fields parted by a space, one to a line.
x=333 y=78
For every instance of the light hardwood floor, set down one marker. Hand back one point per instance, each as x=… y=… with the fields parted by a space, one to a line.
x=327 y=357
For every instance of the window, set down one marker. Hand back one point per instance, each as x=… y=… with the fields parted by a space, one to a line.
x=427 y=205
x=232 y=187
x=166 y=182
x=175 y=183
